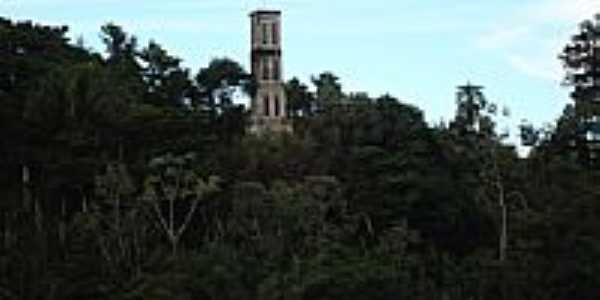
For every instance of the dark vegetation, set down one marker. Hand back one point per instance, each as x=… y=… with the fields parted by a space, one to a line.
x=124 y=176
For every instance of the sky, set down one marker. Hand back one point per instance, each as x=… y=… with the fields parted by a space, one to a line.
x=416 y=50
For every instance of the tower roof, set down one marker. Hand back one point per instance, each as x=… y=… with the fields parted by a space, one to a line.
x=265 y=12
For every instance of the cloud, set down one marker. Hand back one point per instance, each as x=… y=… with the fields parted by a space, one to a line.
x=502 y=37
x=535 y=68
x=530 y=39
x=568 y=10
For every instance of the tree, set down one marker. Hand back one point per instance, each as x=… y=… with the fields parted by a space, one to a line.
x=82 y=110
x=364 y=201
x=120 y=46
x=174 y=186
x=581 y=60
x=116 y=221
x=471 y=104
x=329 y=90
x=28 y=54
x=217 y=83
x=74 y=117
x=167 y=83
x=300 y=101
x=122 y=54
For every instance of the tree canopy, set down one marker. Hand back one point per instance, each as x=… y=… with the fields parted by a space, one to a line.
x=125 y=175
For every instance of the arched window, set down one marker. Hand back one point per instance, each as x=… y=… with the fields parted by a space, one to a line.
x=265 y=68
x=266 y=105
x=277 y=106
x=265 y=39
x=275 y=69
x=275 y=33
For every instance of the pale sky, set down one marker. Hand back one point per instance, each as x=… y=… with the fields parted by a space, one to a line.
x=416 y=50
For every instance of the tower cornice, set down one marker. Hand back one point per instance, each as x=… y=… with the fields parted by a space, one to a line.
x=265 y=12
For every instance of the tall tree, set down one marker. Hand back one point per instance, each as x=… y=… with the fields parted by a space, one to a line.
x=300 y=100
x=167 y=83
x=329 y=90
x=216 y=86
x=28 y=53
x=120 y=46
x=121 y=57
x=581 y=60
x=471 y=104
x=77 y=131
x=173 y=186
x=218 y=82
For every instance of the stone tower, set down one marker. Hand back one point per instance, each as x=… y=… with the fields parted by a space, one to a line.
x=269 y=104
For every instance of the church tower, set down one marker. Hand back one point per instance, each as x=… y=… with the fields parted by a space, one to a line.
x=269 y=104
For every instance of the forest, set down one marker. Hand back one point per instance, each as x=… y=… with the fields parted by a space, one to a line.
x=125 y=175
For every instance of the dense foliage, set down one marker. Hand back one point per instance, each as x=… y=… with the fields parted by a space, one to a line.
x=124 y=176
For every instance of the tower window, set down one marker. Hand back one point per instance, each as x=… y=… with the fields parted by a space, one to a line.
x=265 y=69
x=276 y=69
x=277 y=106
x=265 y=39
x=275 y=33
x=266 y=105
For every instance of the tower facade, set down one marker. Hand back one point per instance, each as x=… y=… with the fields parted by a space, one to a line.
x=269 y=103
